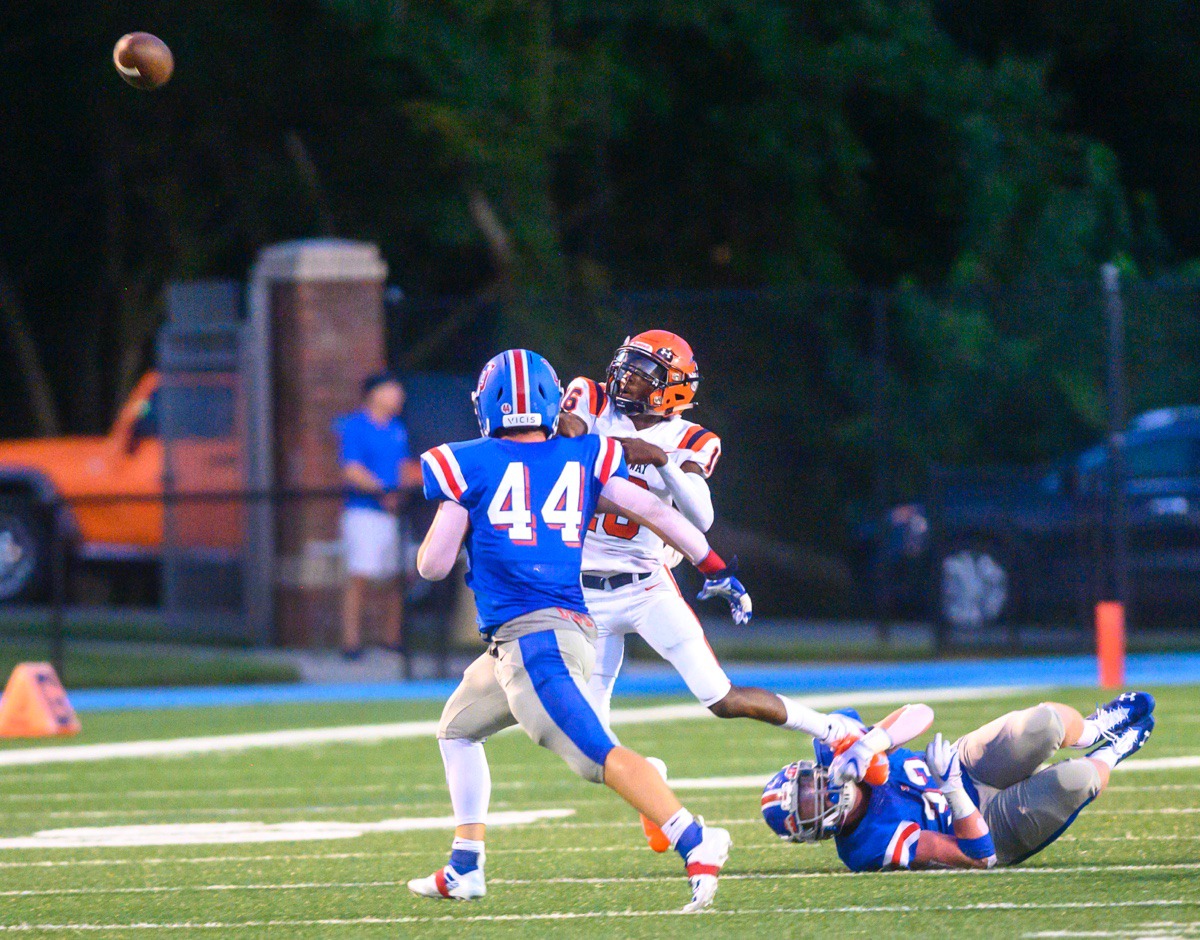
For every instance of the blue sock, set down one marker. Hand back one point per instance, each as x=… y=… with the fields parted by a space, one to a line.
x=463 y=861
x=689 y=839
x=464 y=855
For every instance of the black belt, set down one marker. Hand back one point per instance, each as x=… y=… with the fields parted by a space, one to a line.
x=595 y=583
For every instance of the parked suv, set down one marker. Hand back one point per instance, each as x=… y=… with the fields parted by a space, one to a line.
x=104 y=494
x=986 y=545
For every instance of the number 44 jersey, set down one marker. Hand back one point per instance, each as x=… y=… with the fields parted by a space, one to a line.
x=529 y=505
x=909 y=802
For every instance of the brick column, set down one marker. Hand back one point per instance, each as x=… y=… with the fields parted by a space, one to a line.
x=325 y=321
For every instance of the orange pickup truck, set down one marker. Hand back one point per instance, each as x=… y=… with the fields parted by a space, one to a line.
x=106 y=494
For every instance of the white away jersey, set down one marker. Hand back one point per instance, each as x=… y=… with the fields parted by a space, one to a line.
x=615 y=544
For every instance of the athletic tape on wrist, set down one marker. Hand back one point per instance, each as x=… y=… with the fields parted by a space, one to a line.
x=980 y=847
x=961 y=805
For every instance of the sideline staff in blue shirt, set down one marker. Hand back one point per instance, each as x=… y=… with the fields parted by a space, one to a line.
x=375 y=465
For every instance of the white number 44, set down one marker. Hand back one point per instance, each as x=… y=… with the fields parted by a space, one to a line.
x=563 y=508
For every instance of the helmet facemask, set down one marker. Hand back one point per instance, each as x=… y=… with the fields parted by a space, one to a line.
x=816 y=810
x=629 y=364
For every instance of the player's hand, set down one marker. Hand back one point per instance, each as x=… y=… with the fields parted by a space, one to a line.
x=941 y=756
x=841 y=726
x=852 y=763
x=642 y=452
x=724 y=584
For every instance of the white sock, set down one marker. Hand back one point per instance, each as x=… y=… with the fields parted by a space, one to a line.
x=469 y=779
x=1106 y=755
x=802 y=718
x=1090 y=734
x=674 y=827
x=466 y=845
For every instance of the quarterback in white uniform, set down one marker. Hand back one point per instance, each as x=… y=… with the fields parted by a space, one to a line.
x=627 y=581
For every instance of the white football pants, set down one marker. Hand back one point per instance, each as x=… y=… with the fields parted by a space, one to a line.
x=655 y=609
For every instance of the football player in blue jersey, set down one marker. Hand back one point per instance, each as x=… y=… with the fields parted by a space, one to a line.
x=520 y=498
x=981 y=801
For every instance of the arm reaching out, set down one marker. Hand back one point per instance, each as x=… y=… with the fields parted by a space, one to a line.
x=898 y=728
x=439 y=551
x=691 y=495
x=648 y=510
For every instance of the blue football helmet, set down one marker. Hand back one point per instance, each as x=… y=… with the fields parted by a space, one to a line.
x=800 y=803
x=517 y=389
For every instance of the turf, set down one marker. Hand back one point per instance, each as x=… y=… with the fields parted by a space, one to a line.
x=1127 y=867
x=120 y=666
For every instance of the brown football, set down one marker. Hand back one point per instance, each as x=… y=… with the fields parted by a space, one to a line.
x=143 y=60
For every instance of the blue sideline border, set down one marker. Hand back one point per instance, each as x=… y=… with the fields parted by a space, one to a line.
x=1147 y=669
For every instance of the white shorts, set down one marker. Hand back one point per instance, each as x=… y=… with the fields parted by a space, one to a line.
x=371 y=543
x=655 y=609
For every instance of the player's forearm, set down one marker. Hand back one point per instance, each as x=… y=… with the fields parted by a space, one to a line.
x=648 y=510
x=691 y=495
x=938 y=850
x=439 y=551
x=971 y=832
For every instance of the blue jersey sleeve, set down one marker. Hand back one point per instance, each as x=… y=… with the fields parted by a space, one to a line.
x=442 y=474
x=610 y=461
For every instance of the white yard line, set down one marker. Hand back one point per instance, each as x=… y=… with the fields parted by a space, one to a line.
x=645 y=879
x=372 y=734
x=290 y=857
x=243 y=832
x=606 y=915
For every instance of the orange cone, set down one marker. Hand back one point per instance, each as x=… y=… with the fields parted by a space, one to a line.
x=35 y=704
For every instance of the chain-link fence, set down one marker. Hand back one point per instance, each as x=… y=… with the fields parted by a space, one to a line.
x=921 y=456
x=893 y=461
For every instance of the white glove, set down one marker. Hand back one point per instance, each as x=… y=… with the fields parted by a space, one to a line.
x=853 y=762
x=942 y=758
x=840 y=726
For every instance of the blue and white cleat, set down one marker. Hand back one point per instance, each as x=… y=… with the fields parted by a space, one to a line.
x=1128 y=741
x=1126 y=709
x=449 y=884
x=704 y=863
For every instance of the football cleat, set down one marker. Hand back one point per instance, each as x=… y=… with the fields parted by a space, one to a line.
x=654 y=835
x=1126 y=709
x=1129 y=741
x=704 y=863
x=447 y=883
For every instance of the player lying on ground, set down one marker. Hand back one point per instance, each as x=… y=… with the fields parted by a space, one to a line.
x=520 y=499
x=975 y=803
x=627 y=580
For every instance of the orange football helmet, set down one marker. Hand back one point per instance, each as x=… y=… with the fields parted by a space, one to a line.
x=667 y=365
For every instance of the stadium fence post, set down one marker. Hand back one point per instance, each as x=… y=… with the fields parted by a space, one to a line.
x=1117 y=583
x=58 y=589
x=879 y=307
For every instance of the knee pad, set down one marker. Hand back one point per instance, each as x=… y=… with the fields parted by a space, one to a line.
x=1078 y=776
x=1045 y=723
x=693 y=659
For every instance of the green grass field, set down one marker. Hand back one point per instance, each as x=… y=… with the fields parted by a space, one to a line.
x=1128 y=867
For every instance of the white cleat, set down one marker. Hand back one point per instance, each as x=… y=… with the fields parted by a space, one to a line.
x=704 y=863
x=448 y=884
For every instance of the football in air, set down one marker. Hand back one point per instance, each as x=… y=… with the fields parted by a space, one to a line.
x=143 y=60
